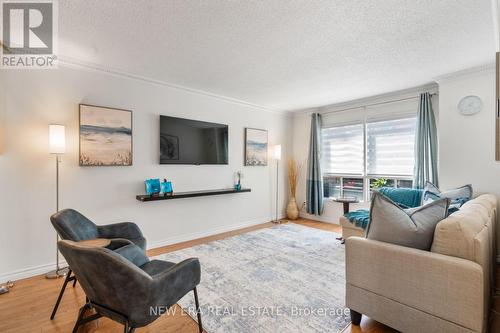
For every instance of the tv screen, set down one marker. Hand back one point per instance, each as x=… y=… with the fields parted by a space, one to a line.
x=186 y=141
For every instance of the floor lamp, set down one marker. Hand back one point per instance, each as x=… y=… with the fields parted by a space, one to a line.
x=277 y=157
x=57 y=147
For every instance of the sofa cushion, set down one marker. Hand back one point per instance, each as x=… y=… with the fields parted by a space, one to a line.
x=403 y=197
x=412 y=227
x=456 y=235
x=458 y=196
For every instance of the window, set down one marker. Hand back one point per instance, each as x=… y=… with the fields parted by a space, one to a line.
x=389 y=147
x=356 y=157
x=343 y=149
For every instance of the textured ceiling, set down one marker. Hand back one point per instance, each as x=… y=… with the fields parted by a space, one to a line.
x=281 y=54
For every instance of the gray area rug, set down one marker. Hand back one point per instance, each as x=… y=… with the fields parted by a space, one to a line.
x=288 y=278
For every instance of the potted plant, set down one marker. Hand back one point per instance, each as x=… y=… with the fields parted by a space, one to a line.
x=379 y=182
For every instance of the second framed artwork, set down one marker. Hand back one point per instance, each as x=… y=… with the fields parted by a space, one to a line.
x=255 y=147
x=105 y=136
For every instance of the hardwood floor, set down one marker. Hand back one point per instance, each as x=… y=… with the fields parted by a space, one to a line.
x=27 y=307
x=369 y=326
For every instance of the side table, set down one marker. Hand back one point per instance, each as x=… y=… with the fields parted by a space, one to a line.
x=346 y=201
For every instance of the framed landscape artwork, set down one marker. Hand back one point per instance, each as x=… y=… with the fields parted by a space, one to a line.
x=255 y=147
x=105 y=136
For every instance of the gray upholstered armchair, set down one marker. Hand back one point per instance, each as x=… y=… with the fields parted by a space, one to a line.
x=125 y=286
x=72 y=225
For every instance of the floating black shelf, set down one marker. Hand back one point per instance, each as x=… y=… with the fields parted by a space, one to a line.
x=191 y=194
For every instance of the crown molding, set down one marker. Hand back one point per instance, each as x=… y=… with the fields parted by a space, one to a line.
x=466 y=72
x=361 y=102
x=303 y=112
x=78 y=64
x=432 y=87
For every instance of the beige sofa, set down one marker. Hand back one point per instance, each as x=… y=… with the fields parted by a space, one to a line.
x=446 y=289
x=349 y=229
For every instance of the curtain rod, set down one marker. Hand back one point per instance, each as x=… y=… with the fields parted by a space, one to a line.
x=375 y=104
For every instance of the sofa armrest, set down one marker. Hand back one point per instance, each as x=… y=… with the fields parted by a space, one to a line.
x=447 y=287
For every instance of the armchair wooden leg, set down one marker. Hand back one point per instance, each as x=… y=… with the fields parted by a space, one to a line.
x=198 y=311
x=355 y=317
x=61 y=293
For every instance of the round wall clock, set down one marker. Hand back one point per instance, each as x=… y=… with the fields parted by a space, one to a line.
x=470 y=105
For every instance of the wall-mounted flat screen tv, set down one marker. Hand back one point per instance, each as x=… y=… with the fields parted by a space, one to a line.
x=186 y=141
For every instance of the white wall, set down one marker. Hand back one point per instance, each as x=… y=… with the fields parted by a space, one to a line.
x=34 y=99
x=2 y=115
x=467 y=143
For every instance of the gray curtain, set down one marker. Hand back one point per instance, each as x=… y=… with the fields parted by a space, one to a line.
x=425 y=144
x=314 y=177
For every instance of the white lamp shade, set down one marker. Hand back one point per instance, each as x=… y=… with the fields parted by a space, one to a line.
x=57 y=139
x=277 y=152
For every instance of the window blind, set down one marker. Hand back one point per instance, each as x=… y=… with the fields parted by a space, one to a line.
x=390 y=147
x=343 y=149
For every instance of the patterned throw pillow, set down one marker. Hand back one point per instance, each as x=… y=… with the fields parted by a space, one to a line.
x=406 y=227
x=458 y=196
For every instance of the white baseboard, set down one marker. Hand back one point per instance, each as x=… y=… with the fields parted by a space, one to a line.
x=42 y=269
x=330 y=220
x=209 y=232
x=30 y=271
